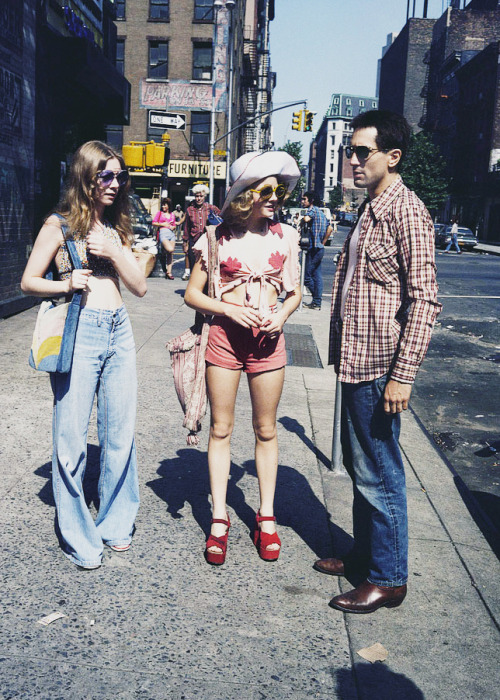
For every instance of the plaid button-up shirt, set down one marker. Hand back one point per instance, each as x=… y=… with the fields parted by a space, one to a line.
x=196 y=220
x=391 y=304
x=318 y=226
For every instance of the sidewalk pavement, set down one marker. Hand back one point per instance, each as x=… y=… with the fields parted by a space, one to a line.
x=158 y=623
x=491 y=248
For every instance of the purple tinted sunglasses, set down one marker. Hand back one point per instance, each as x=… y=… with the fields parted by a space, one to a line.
x=106 y=177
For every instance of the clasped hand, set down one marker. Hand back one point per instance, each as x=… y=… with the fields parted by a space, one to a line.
x=248 y=317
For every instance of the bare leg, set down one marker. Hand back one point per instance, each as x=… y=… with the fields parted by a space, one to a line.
x=222 y=386
x=169 y=249
x=265 y=391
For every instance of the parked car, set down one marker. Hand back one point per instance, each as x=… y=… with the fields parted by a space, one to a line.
x=466 y=239
x=438 y=228
x=140 y=218
x=347 y=218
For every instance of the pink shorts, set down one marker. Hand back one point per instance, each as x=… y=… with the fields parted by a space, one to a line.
x=234 y=347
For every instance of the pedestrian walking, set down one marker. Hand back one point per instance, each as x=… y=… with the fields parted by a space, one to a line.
x=383 y=310
x=180 y=217
x=94 y=207
x=194 y=224
x=164 y=222
x=319 y=230
x=454 y=238
x=257 y=260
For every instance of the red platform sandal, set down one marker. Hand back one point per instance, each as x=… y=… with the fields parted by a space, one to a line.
x=217 y=558
x=262 y=540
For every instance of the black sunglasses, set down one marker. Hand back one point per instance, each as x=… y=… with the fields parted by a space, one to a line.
x=267 y=192
x=362 y=152
x=106 y=177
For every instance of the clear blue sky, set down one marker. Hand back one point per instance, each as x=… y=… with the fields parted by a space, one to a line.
x=323 y=46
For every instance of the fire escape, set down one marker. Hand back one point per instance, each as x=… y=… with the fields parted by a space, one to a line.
x=249 y=88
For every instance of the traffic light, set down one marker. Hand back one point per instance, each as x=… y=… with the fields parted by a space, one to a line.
x=297 y=121
x=133 y=156
x=308 y=120
x=155 y=155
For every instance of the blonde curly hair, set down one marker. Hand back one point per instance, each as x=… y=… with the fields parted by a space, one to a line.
x=240 y=209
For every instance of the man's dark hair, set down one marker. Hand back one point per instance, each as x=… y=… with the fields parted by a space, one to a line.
x=393 y=131
x=311 y=196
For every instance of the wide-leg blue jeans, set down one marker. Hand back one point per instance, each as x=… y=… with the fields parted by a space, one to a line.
x=373 y=460
x=104 y=363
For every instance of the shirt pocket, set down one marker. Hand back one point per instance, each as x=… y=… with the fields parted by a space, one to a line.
x=382 y=263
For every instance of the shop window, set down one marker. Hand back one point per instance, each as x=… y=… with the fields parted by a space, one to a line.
x=159 y=10
x=158 y=60
x=200 y=132
x=203 y=10
x=202 y=61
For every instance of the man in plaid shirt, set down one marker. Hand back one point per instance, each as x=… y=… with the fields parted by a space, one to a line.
x=384 y=307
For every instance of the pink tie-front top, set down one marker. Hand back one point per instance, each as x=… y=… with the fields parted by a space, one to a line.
x=254 y=259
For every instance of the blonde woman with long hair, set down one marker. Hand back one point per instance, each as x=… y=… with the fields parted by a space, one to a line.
x=94 y=212
x=257 y=261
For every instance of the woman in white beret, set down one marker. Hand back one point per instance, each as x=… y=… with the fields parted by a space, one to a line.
x=258 y=259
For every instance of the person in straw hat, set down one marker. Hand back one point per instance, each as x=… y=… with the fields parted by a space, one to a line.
x=258 y=259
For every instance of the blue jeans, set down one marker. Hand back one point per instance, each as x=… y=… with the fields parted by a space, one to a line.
x=103 y=363
x=454 y=242
x=373 y=460
x=313 y=277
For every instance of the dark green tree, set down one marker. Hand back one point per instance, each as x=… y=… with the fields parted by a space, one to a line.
x=294 y=149
x=424 y=171
x=335 y=198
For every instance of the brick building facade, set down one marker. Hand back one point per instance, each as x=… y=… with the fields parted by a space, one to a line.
x=169 y=50
x=17 y=146
x=403 y=71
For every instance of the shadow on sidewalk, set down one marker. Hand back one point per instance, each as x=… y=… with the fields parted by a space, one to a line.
x=90 y=480
x=293 y=426
x=184 y=480
x=374 y=681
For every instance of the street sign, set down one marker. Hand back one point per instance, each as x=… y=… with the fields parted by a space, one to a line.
x=167 y=120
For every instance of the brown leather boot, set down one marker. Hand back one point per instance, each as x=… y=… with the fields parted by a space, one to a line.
x=368 y=597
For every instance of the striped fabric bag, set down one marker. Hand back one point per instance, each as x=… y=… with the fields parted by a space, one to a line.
x=187 y=356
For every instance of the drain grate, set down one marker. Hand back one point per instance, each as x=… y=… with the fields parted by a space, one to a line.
x=301 y=349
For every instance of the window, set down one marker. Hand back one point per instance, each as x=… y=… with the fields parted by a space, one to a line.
x=348 y=100
x=346 y=140
x=203 y=10
x=159 y=10
x=200 y=132
x=335 y=111
x=331 y=167
x=202 y=61
x=335 y=100
x=120 y=56
x=348 y=112
x=158 y=59
x=331 y=182
x=333 y=140
x=120 y=9
x=374 y=105
x=361 y=103
x=332 y=154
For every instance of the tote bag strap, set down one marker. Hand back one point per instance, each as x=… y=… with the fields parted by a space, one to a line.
x=73 y=254
x=212 y=259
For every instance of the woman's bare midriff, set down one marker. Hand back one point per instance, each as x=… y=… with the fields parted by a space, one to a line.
x=237 y=295
x=103 y=293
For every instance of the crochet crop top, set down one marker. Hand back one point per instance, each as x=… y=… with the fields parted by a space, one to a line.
x=277 y=264
x=101 y=267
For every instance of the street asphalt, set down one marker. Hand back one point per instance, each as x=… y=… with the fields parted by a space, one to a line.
x=159 y=623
